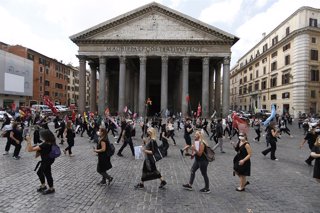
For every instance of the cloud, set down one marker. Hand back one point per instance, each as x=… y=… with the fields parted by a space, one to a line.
x=221 y=12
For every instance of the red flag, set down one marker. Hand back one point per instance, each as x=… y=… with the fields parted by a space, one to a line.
x=49 y=103
x=239 y=123
x=107 y=112
x=188 y=98
x=199 y=110
x=13 y=106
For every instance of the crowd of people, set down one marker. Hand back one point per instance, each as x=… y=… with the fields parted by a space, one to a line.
x=195 y=130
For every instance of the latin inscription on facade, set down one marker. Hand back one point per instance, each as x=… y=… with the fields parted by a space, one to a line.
x=136 y=49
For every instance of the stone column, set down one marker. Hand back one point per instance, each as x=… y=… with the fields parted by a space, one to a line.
x=164 y=84
x=217 y=98
x=211 y=90
x=82 y=83
x=205 y=87
x=102 y=85
x=226 y=86
x=93 y=87
x=185 y=85
x=142 y=84
x=107 y=89
x=122 y=84
x=136 y=92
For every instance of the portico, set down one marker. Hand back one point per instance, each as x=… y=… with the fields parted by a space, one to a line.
x=158 y=53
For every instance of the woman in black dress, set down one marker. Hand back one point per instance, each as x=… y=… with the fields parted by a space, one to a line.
x=70 y=135
x=149 y=170
x=104 y=161
x=316 y=154
x=241 y=162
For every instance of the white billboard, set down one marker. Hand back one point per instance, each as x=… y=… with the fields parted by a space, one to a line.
x=16 y=75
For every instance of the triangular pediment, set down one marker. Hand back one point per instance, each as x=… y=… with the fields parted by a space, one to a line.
x=153 y=22
x=154 y=26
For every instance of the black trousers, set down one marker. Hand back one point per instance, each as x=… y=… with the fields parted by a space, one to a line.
x=258 y=134
x=126 y=142
x=8 y=144
x=16 y=149
x=44 y=172
x=203 y=165
x=272 y=149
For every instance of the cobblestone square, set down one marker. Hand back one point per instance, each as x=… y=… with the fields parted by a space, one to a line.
x=275 y=186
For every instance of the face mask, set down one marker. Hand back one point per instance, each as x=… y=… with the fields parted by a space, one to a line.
x=241 y=138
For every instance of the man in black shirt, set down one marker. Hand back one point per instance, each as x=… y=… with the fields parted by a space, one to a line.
x=126 y=135
x=311 y=137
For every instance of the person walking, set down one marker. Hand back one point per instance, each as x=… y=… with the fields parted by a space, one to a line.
x=200 y=161
x=271 y=138
x=149 y=169
x=257 y=129
x=123 y=125
x=241 y=162
x=219 y=134
x=127 y=139
x=311 y=138
x=188 y=130
x=104 y=161
x=164 y=138
x=61 y=130
x=44 y=149
x=16 y=139
x=70 y=135
x=315 y=153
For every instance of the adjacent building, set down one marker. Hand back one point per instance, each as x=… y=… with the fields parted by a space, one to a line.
x=282 y=69
x=29 y=75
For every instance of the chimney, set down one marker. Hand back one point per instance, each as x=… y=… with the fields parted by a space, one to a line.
x=263 y=35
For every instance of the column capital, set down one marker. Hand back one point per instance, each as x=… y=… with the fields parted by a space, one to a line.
x=143 y=59
x=102 y=60
x=185 y=60
x=226 y=60
x=122 y=59
x=93 y=65
x=205 y=60
x=164 y=58
x=82 y=58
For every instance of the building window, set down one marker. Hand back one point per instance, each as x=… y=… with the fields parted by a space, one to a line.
x=314 y=75
x=40 y=79
x=240 y=90
x=273 y=82
x=287 y=31
x=245 y=90
x=264 y=99
x=40 y=69
x=40 y=88
x=273 y=66
x=274 y=54
x=286 y=78
x=313 y=94
x=46 y=83
x=264 y=60
x=313 y=22
x=313 y=40
x=286 y=47
x=275 y=40
x=257 y=73
x=265 y=48
x=250 y=88
x=245 y=79
x=30 y=56
x=285 y=95
x=241 y=81
x=256 y=86
x=250 y=76
x=273 y=97
x=264 y=70
x=287 y=60
x=264 y=84
x=314 y=55
x=257 y=64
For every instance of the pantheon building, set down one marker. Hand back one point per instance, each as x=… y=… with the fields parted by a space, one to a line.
x=158 y=53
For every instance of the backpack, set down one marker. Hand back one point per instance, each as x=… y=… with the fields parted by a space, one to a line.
x=111 y=149
x=55 y=152
x=209 y=153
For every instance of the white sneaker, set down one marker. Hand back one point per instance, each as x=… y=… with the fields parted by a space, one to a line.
x=6 y=153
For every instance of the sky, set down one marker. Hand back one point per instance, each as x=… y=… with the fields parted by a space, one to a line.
x=46 y=25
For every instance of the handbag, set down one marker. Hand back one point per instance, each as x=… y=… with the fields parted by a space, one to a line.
x=209 y=153
x=157 y=155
